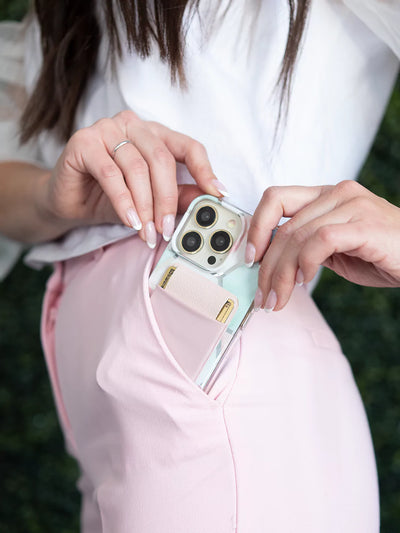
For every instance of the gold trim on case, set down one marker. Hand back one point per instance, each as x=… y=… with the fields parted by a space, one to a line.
x=216 y=216
x=167 y=276
x=198 y=249
x=225 y=311
x=230 y=243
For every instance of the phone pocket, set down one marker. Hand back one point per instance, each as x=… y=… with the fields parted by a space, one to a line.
x=189 y=335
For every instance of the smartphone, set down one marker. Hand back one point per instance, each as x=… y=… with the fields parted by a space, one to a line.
x=203 y=270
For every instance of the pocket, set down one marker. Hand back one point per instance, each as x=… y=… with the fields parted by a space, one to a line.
x=54 y=290
x=189 y=335
x=186 y=338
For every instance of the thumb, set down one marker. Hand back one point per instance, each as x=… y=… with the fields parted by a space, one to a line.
x=186 y=194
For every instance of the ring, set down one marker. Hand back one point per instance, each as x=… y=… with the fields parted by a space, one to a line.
x=119 y=145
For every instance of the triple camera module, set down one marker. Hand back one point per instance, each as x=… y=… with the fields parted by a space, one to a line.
x=220 y=241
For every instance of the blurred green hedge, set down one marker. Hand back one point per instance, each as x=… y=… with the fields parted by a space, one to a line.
x=37 y=477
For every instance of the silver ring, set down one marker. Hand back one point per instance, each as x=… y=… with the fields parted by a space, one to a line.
x=119 y=145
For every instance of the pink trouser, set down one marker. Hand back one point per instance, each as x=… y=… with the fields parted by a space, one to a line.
x=280 y=444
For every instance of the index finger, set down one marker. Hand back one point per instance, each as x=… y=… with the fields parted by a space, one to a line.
x=278 y=202
x=194 y=155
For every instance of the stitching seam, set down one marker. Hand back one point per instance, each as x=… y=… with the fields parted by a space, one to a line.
x=235 y=525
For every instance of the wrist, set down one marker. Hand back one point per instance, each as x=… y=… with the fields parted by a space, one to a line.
x=49 y=219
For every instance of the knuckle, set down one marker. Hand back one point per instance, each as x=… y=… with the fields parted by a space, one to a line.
x=286 y=230
x=256 y=228
x=263 y=271
x=126 y=116
x=123 y=197
x=154 y=127
x=162 y=155
x=145 y=207
x=102 y=124
x=326 y=234
x=151 y=124
x=327 y=189
x=307 y=263
x=362 y=204
x=302 y=259
x=347 y=187
x=82 y=137
x=195 y=146
x=108 y=172
x=282 y=279
x=202 y=169
x=271 y=194
x=300 y=236
x=139 y=166
x=169 y=200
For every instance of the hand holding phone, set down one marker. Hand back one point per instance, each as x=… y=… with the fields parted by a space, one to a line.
x=202 y=291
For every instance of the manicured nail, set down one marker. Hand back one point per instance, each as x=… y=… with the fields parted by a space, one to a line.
x=133 y=218
x=249 y=254
x=220 y=187
x=151 y=236
x=299 y=278
x=271 y=300
x=258 y=299
x=168 y=226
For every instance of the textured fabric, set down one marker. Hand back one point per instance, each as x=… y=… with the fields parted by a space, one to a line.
x=382 y=16
x=343 y=80
x=280 y=443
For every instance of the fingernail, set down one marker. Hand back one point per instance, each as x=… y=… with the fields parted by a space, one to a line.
x=249 y=254
x=271 y=301
x=299 y=278
x=220 y=187
x=151 y=236
x=133 y=218
x=258 y=299
x=168 y=226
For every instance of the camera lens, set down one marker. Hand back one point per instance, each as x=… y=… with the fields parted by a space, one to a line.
x=205 y=216
x=191 y=241
x=221 y=241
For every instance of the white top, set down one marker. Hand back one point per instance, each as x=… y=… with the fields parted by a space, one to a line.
x=344 y=77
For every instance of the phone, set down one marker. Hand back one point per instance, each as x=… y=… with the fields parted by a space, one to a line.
x=202 y=292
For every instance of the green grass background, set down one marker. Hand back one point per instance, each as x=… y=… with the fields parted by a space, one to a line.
x=37 y=478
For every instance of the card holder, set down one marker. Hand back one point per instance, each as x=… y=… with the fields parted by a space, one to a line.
x=189 y=335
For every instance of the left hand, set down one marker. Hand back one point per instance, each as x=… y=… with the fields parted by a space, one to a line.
x=344 y=227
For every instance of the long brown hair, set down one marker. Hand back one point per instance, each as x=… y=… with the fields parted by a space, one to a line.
x=70 y=38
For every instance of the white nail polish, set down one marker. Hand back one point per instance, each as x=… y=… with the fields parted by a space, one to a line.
x=151 y=235
x=299 y=278
x=133 y=218
x=168 y=225
x=270 y=302
x=249 y=254
x=258 y=299
x=220 y=187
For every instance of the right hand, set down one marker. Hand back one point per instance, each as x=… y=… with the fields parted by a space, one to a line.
x=344 y=227
x=138 y=186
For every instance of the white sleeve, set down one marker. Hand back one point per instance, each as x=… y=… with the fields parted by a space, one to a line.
x=13 y=94
x=12 y=100
x=382 y=17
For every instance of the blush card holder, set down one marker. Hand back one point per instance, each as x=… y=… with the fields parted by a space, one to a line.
x=190 y=335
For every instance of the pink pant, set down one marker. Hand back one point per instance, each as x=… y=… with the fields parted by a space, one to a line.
x=280 y=444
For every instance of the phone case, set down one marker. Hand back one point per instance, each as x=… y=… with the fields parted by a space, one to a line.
x=198 y=342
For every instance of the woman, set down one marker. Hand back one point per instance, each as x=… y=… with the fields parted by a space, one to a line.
x=281 y=442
